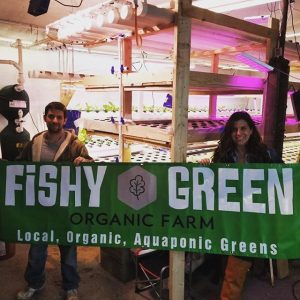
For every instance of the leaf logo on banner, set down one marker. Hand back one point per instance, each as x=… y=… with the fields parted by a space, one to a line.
x=137 y=186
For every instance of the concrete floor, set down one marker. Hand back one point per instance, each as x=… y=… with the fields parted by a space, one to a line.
x=98 y=284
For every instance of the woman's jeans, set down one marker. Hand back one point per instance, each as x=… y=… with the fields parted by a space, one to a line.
x=35 y=271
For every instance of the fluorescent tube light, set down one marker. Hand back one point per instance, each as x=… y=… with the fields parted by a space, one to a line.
x=253 y=62
x=263 y=19
x=229 y=5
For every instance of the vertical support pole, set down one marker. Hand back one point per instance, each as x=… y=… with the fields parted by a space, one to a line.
x=212 y=110
x=127 y=62
x=272 y=43
x=275 y=101
x=121 y=99
x=20 y=63
x=285 y=9
x=275 y=93
x=181 y=78
x=181 y=74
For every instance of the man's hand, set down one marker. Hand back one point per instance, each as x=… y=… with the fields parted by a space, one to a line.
x=78 y=160
x=204 y=161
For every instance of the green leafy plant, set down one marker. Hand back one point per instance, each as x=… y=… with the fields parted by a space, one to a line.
x=88 y=107
x=83 y=136
x=110 y=107
x=96 y=108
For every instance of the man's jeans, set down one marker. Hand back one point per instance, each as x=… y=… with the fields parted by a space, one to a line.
x=35 y=271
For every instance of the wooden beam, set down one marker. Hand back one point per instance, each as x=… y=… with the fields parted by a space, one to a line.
x=57 y=75
x=201 y=83
x=217 y=34
x=127 y=63
x=212 y=109
x=139 y=79
x=227 y=50
x=224 y=81
x=65 y=95
x=291 y=52
x=209 y=83
x=129 y=130
x=229 y=22
x=274 y=104
x=272 y=43
x=181 y=78
x=182 y=50
x=224 y=91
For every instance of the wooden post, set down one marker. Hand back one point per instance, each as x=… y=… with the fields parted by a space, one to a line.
x=275 y=102
x=212 y=110
x=127 y=62
x=121 y=98
x=181 y=74
x=275 y=96
x=272 y=43
x=65 y=95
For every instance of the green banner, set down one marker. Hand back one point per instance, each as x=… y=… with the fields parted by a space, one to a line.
x=248 y=210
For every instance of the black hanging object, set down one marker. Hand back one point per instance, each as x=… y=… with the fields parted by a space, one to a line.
x=38 y=7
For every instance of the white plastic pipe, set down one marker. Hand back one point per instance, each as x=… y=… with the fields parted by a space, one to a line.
x=18 y=66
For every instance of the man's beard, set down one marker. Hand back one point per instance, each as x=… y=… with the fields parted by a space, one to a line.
x=54 y=128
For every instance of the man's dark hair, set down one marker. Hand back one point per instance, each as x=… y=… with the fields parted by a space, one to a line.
x=56 y=105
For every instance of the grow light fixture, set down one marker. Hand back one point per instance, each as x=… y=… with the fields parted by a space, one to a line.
x=263 y=19
x=253 y=62
x=229 y=5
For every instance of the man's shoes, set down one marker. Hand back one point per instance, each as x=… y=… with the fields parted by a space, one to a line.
x=27 y=293
x=72 y=295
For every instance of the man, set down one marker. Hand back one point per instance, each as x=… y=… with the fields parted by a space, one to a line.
x=54 y=144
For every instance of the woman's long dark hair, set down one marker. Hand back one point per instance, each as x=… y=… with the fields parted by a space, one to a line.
x=254 y=147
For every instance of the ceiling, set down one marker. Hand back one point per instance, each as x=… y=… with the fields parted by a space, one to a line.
x=15 y=22
x=16 y=11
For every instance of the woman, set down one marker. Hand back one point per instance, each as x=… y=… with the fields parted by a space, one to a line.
x=240 y=143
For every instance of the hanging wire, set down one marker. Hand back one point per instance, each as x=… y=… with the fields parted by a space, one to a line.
x=138 y=38
x=143 y=55
x=272 y=9
x=59 y=61
x=67 y=59
x=140 y=66
x=73 y=59
x=33 y=121
x=62 y=59
x=289 y=75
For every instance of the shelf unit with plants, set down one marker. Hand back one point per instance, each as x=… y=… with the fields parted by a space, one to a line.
x=212 y=38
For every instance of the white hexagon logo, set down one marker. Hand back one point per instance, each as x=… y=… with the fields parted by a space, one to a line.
x=137 y=187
